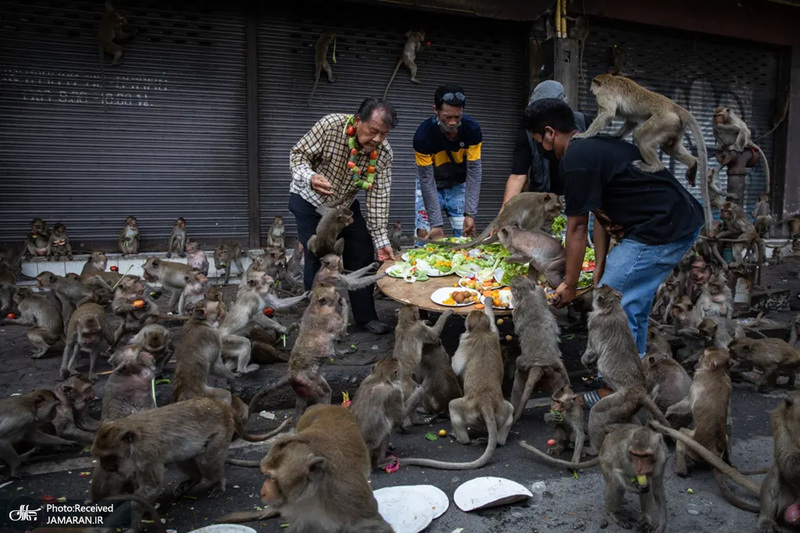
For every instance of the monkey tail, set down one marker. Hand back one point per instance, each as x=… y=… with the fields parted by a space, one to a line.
x=483 y=460
x=766 y=166
x=243 y=462
x=647 y=402
x=709 y=457
x=526 y=394
x=148 y=507
x=242 y=431
x=560 y=462
x=314 y=88
x=731 y=498
x=266 y=390
x=702 y=163
x=396 y=68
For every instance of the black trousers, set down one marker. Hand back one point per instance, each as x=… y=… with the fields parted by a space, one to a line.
x=358 y=252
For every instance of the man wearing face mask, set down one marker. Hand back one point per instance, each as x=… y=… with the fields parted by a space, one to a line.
x=653 y=216
x=529 y=163
x=447 y=148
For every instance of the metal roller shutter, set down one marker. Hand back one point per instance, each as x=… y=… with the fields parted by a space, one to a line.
x=698 y=72
x=170 y=141
x=486 y=57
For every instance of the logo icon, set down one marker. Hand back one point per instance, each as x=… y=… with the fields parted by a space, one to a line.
x=24 y=513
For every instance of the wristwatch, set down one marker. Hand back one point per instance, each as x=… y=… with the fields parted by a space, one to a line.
x=470 y=215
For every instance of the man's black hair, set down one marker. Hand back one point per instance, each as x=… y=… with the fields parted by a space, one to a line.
x=372 y=104
x=443 y=90
x=551 y=112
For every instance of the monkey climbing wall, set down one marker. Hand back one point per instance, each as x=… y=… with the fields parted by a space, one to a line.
x=698 y=72
x=484 y=56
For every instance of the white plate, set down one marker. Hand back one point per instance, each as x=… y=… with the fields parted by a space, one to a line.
x=435 y=497
x=505 y=296
x=406 y=511
x=483 y=492
x=440 y=295
x=224 y=528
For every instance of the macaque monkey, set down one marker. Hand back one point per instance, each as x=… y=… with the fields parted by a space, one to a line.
x=225 y=254
x=717 y=195
x=661 y=124
x=779 y=490
x=438 y=384
x=72 y=420
x=177 y=239
x=196 y=257
x=740 y=232
x=320 y=63
x=770 y=357
x=777 y=256
x=656 y=342
x=325 y=241
x=566 y=417
x=96 y=265
x=716 y=299
x=544 y=252
x=668 y=293
x=479 y=362
x=666 y=380
x=378 y=408
x=396 y=236
x=86 y=330
x=200 y=354
x=71 y=293
x=41 y=314
x=21 y=418
x=276 y=234
x=129 y=389
x=685 y=315
x=111 y=31
x=414 y=42
x=133 y=306
x=38 y=238
x=410 y=335
x=539 y=337
x=296 y=263
x=154 y=338
x=6 y=274
x=731 y=133
x=331 y=272
x=526 y=210
x=632 y=460
x=322 y=324
x=129 y=237
x=193 y=434
x=762 y=217
x=317 y=479
x=194 y=293
x=173 y=276
x=58 y=243
x=274 y=263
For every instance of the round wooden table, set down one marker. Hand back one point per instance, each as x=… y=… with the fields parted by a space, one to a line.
x=419 y=293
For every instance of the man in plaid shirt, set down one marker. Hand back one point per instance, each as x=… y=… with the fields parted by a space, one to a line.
x=321 y=177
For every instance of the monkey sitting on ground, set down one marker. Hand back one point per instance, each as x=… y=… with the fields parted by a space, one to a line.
x=779 y=490
x=296 y=263
x=70 y=292
x=323 y=322
x=58 y=244
x=716 y=298
x=86 y=330
x=378 y=408
x=155 y=339
x=438 y=384
x=770 y=357
x=661 y=124
x=274 y=263
x=177 y=239
x=129 y=388
x=128 y=241
x=396 y=236
x=482 y=407
x=667 y=382
x=320 y=63
x=193 y=293
x=414 y=41
x=685 y=315
x=732 y=134
x=96 y=265
x=410 y=335
x=72 y=420
x=134 y=307
x=762 y=217
x=317 y=479
x=225 y=254
x=275 y=235
x=21 y=418
x=41 y=314
x=666 y=296
x=325 y=240
x=539 y=337
x=38 y=239
x=196 y=257
x=566 y=417
x=173 y=276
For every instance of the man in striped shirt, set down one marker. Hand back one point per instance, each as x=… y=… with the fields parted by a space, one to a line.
x=321 y=177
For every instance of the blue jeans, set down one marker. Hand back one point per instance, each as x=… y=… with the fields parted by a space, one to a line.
x=451 y=202
x=636 y=270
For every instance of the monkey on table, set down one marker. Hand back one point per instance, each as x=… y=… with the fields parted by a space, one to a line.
x=328 y=169
x=447 y=148
x=653 y=217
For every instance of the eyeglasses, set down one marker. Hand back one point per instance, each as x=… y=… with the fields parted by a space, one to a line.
x=456 y=99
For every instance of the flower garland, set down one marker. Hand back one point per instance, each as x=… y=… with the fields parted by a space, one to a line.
x=361 y=182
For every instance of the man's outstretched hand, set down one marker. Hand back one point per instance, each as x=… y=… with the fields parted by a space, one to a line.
x=564 y=295
x=386 y=253
x=435 y=233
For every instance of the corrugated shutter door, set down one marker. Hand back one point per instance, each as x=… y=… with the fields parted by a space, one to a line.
x=170 y=141
x=485 y=57
x=699 y=73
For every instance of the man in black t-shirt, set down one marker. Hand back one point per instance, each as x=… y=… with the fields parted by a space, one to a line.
x=653 y=216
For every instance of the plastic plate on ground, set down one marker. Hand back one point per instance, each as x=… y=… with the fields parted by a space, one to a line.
x=435 y=497
x=440 y=296
x=483 y=492
x=406 y=511
x=224 y=528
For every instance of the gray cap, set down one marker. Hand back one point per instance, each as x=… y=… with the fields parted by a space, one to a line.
x=547 y=89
